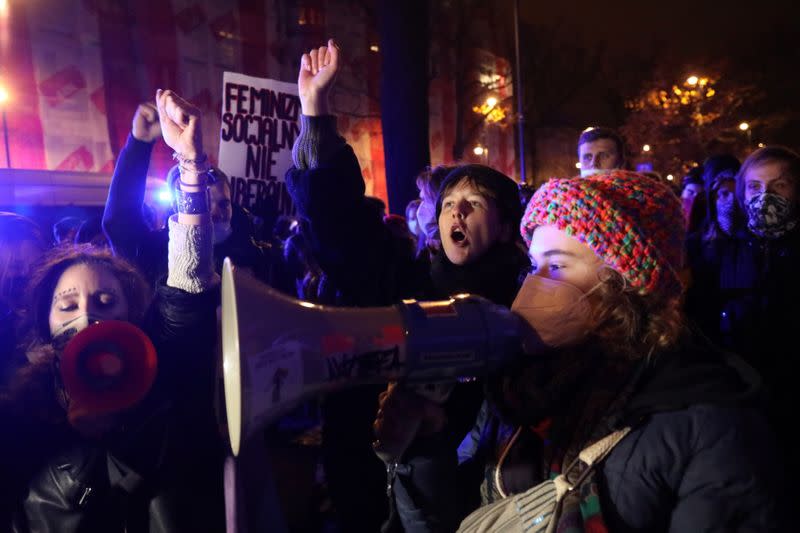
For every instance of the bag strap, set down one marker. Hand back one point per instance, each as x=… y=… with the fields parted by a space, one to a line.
x=597 y=451
x=591 y=455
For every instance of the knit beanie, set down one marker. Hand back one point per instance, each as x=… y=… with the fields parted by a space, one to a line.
x=503 y=189
x=633 y=223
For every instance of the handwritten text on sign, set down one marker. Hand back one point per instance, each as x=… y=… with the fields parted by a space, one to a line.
x=260 y=121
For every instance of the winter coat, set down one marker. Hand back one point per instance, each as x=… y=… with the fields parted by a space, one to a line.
x=700 y=456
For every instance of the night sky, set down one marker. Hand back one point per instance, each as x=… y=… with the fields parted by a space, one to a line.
x=755 y=45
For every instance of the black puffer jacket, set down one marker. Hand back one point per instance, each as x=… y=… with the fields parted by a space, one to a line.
x=700 y=456
x=162 y=472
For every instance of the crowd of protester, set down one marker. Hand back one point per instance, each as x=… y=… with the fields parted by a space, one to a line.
x=669 y=342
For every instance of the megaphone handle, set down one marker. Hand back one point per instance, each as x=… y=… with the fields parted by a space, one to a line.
x=390 y=453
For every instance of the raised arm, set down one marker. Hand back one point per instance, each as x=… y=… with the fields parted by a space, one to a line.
x=350 y=242
x=191 y=265
x=123 y=222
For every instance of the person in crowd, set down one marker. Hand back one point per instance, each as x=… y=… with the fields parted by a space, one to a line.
x=616 y=353
x=131 y=237
x=156 y=466
x=600 y=149
x=476 y=210
x=413 y=224
x=693 y=199
x=750 y=288
x=65 y=229
x=21 y=245
x=725 y=216
x=429 y=181
x=723 y=220
x=91 y=232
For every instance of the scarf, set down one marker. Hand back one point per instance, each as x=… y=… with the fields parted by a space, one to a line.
x=496 y=275
x=584 y=419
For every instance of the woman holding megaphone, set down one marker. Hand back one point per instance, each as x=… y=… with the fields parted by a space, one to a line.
x=626 y=420
x=110 y=436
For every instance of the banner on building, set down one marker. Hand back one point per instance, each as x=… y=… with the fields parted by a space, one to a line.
x=260 y=121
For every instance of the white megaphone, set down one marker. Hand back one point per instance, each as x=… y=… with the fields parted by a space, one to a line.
x=278 y=351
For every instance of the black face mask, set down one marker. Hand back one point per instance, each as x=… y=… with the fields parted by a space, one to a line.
x=770 y=216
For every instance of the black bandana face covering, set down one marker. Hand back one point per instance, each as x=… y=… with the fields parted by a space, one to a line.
x=770 y=215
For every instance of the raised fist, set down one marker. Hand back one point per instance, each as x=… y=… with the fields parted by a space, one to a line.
x=180 y=124
x=146 y=127
x=318 y=70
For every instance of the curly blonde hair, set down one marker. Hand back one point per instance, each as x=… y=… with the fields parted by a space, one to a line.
x=634 y=325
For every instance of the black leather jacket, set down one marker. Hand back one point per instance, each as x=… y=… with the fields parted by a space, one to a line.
x=162 y=472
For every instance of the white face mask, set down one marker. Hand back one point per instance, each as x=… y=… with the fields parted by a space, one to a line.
x=558 y=312
x=222 y=230
x=63 y=333
x=586 y=172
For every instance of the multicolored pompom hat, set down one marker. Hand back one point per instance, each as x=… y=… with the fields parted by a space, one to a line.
x=634 y=223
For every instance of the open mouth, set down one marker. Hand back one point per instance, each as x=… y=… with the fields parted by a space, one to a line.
x=458 y=235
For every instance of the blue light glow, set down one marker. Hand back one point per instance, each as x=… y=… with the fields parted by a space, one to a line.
x=164 y=195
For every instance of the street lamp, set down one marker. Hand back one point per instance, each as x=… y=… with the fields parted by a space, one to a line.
x=744 y=126
x=4 y=97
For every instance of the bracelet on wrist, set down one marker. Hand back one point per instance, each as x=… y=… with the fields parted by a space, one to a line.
x=180 y=184
x=199 y=165
x=192 y=203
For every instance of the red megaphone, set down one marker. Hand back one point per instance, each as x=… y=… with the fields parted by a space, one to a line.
x=108 y=367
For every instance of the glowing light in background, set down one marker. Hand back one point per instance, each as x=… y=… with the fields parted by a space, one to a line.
x=491 y=110
x=646 y=148
x=578 y=164
x=164 y=195
x=692 y=80
x=4 y=96
x=670 y=177
x=479 y=150
x=374 y=48
x=744 y=126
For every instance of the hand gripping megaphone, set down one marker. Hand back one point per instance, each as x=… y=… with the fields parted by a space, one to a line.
x=278 y=351
x=106 y=368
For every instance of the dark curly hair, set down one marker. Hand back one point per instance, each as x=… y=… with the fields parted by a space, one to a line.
x=45 y=278
x=32 y=388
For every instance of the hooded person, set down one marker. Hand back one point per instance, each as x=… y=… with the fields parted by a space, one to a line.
x=725 y=215
x=692 y=449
